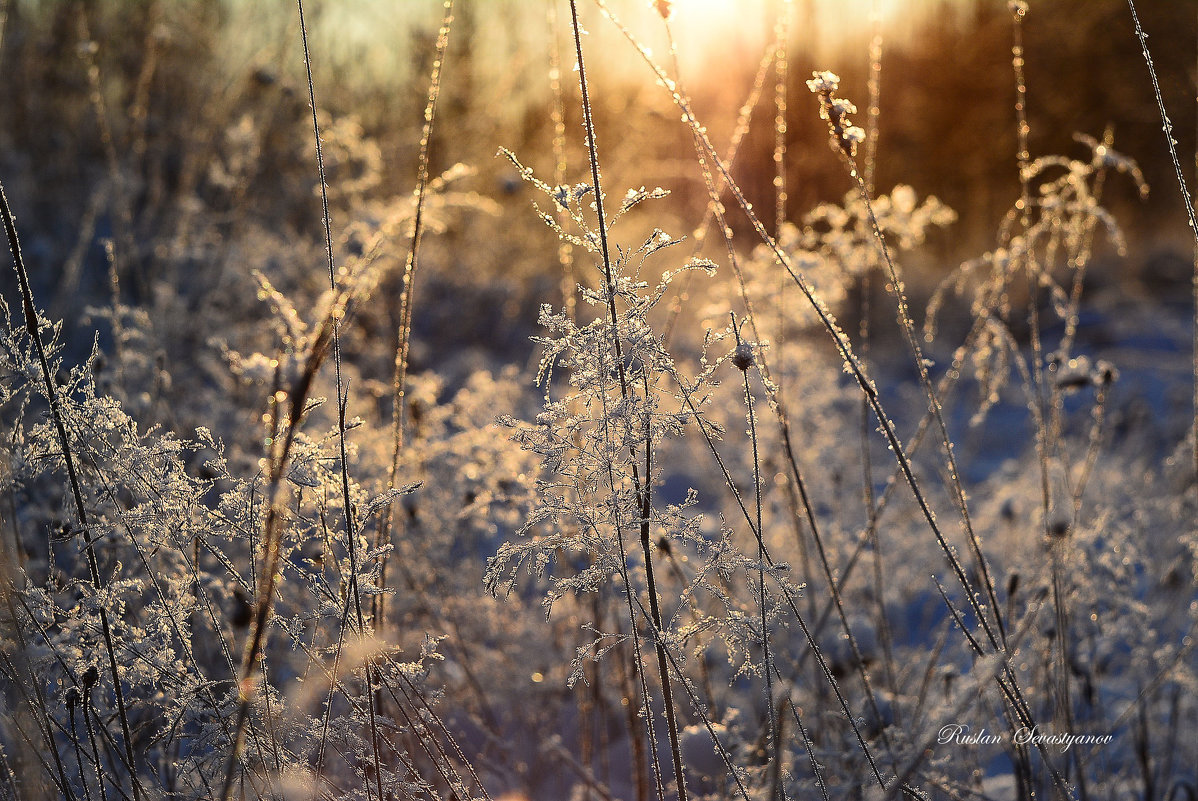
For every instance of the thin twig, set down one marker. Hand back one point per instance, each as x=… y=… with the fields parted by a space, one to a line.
x=641 y=488
x=411 y=265
x=32 y=328
x=351 y=533
x=1190 y=215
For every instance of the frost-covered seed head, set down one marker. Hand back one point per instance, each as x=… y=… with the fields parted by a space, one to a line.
x=1105 y=373
x=823 y=82
x=742 y=357
x=840 y=106
x=853 y=136
x=836 y=110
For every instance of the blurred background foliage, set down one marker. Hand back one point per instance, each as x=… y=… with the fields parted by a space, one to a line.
x=177 y=128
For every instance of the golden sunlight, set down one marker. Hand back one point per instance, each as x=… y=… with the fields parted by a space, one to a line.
x=721 y=15
x=713 y=32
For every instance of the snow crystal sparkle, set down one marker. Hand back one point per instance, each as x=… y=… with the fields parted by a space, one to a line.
x=836 y=110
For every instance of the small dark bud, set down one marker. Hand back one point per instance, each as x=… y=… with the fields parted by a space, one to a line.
x=90 y=677
x=663 y=545
x=742 y=357
x=1105 y=373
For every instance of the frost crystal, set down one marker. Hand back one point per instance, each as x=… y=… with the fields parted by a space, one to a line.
x=824 y=81
x=836 y=110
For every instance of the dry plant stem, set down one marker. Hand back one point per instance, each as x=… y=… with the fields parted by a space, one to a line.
x=1080 y=264
x=1013 y=697
x=777 y=404
x=701 y=710
x=1190 y=214
x=91 y=736
x=774 y=735
x=31 y=327
x=781 y=88
x=640 y=761
x=704 y=661
x=638 y=667
x=601 y=702
x=68 y=286
x=920 y=751
x=781 y=75
x=809 y=747
x=414 y=697
x=590 y=694
x=1184 y=652
x=565 y=251
x=579 y=769
x=934 y=406
x=351 y=532
x=640 y=488
x=795 y=483
x=87 y=794
x=638 y=662
x=874 y=87
x=280 y=441
x=139 y=108
x=57 y=774
x=860 y=376
x=646 y=515
x=935 y=411
x=795 y=478
x=827 y=321
x=943 y=387
x=1045 y=443
x=15 y=674
x=822 y=663
x=411 y=265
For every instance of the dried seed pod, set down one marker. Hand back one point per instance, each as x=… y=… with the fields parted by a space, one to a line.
x=742 y=357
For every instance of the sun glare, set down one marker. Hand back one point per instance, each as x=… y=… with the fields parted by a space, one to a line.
x=714 y=33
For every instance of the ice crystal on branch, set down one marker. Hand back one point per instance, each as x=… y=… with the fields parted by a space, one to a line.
x=836 y=110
